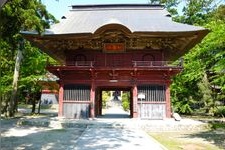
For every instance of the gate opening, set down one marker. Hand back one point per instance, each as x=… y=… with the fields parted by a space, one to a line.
x=115 y=103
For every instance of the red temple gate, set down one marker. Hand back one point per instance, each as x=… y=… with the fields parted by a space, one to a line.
x=131 y=47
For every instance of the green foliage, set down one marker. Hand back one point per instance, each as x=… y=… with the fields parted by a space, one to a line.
x=220 y=111
x=195 y=12
x=217 y=125
x=17 y=15
x=206 y=94
x=105 y=98
x=171 y=5
x=126 y=101
x=182 y=106
x=32 y=68
x=204 y=65
x=219 y=13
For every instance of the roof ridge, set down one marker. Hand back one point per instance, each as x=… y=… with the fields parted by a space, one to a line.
x=118 y=6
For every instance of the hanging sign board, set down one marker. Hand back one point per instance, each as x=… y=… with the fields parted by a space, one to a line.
x=141 y=96
x=114 y=47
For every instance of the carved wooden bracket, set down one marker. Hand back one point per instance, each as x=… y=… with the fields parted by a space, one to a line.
x=113 y=74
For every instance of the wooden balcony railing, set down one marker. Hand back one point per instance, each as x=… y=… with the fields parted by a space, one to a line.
x=75 y=64
x=143 y=64
x=83 y=64
x=156 y=64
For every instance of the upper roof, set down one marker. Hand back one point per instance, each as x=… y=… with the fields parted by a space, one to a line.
x=139 y=26
x=137 y=18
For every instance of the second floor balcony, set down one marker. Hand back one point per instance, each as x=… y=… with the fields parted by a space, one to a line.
x=121 y=64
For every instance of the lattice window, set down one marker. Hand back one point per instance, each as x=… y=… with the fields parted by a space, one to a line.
x=153 y=93
x=74 y=92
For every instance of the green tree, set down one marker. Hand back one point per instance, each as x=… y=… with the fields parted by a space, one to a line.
x=204 y=67
x=170 y=5
x=196 y=11
x=206 y=94
x=17 y=15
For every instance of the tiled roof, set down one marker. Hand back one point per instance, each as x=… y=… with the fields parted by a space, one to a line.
x=137 y=18
x=138 y=26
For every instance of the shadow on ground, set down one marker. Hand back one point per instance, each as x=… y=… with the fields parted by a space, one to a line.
x=101 y=136
x=114 y=116
x=34 y=138
x=216 y=137
x=115 y=138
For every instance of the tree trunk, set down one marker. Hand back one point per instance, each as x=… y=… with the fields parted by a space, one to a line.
x=39 y=106
x=12 y=102
x=33 y=105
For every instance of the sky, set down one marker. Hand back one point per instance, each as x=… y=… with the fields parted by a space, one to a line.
x=58 y=8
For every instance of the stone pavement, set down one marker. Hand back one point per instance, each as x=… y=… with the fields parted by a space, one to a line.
x=113 y=130
x=115 y=139
x=100 y=137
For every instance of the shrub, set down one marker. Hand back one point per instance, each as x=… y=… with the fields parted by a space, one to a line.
x=220 y=111
x=105 y=98
x=126 y=101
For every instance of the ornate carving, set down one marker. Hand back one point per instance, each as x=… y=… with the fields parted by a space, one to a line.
x=94 y=44
x=113 y=36
x=172 y=45
x=113 y=74
x=97 y=43
x=131 y=42
x=93 y=74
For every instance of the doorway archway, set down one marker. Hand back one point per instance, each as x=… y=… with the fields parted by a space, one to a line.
x=114 y=102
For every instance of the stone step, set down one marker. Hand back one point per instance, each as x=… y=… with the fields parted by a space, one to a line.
x=149 y=125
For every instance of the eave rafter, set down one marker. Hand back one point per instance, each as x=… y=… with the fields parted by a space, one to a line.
x=174 y=45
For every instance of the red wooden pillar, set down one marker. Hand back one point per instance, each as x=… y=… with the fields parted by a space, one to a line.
x=92 y=104
x=135 y=99
x=168 y=102
x=61 y=91
x=97 y=102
